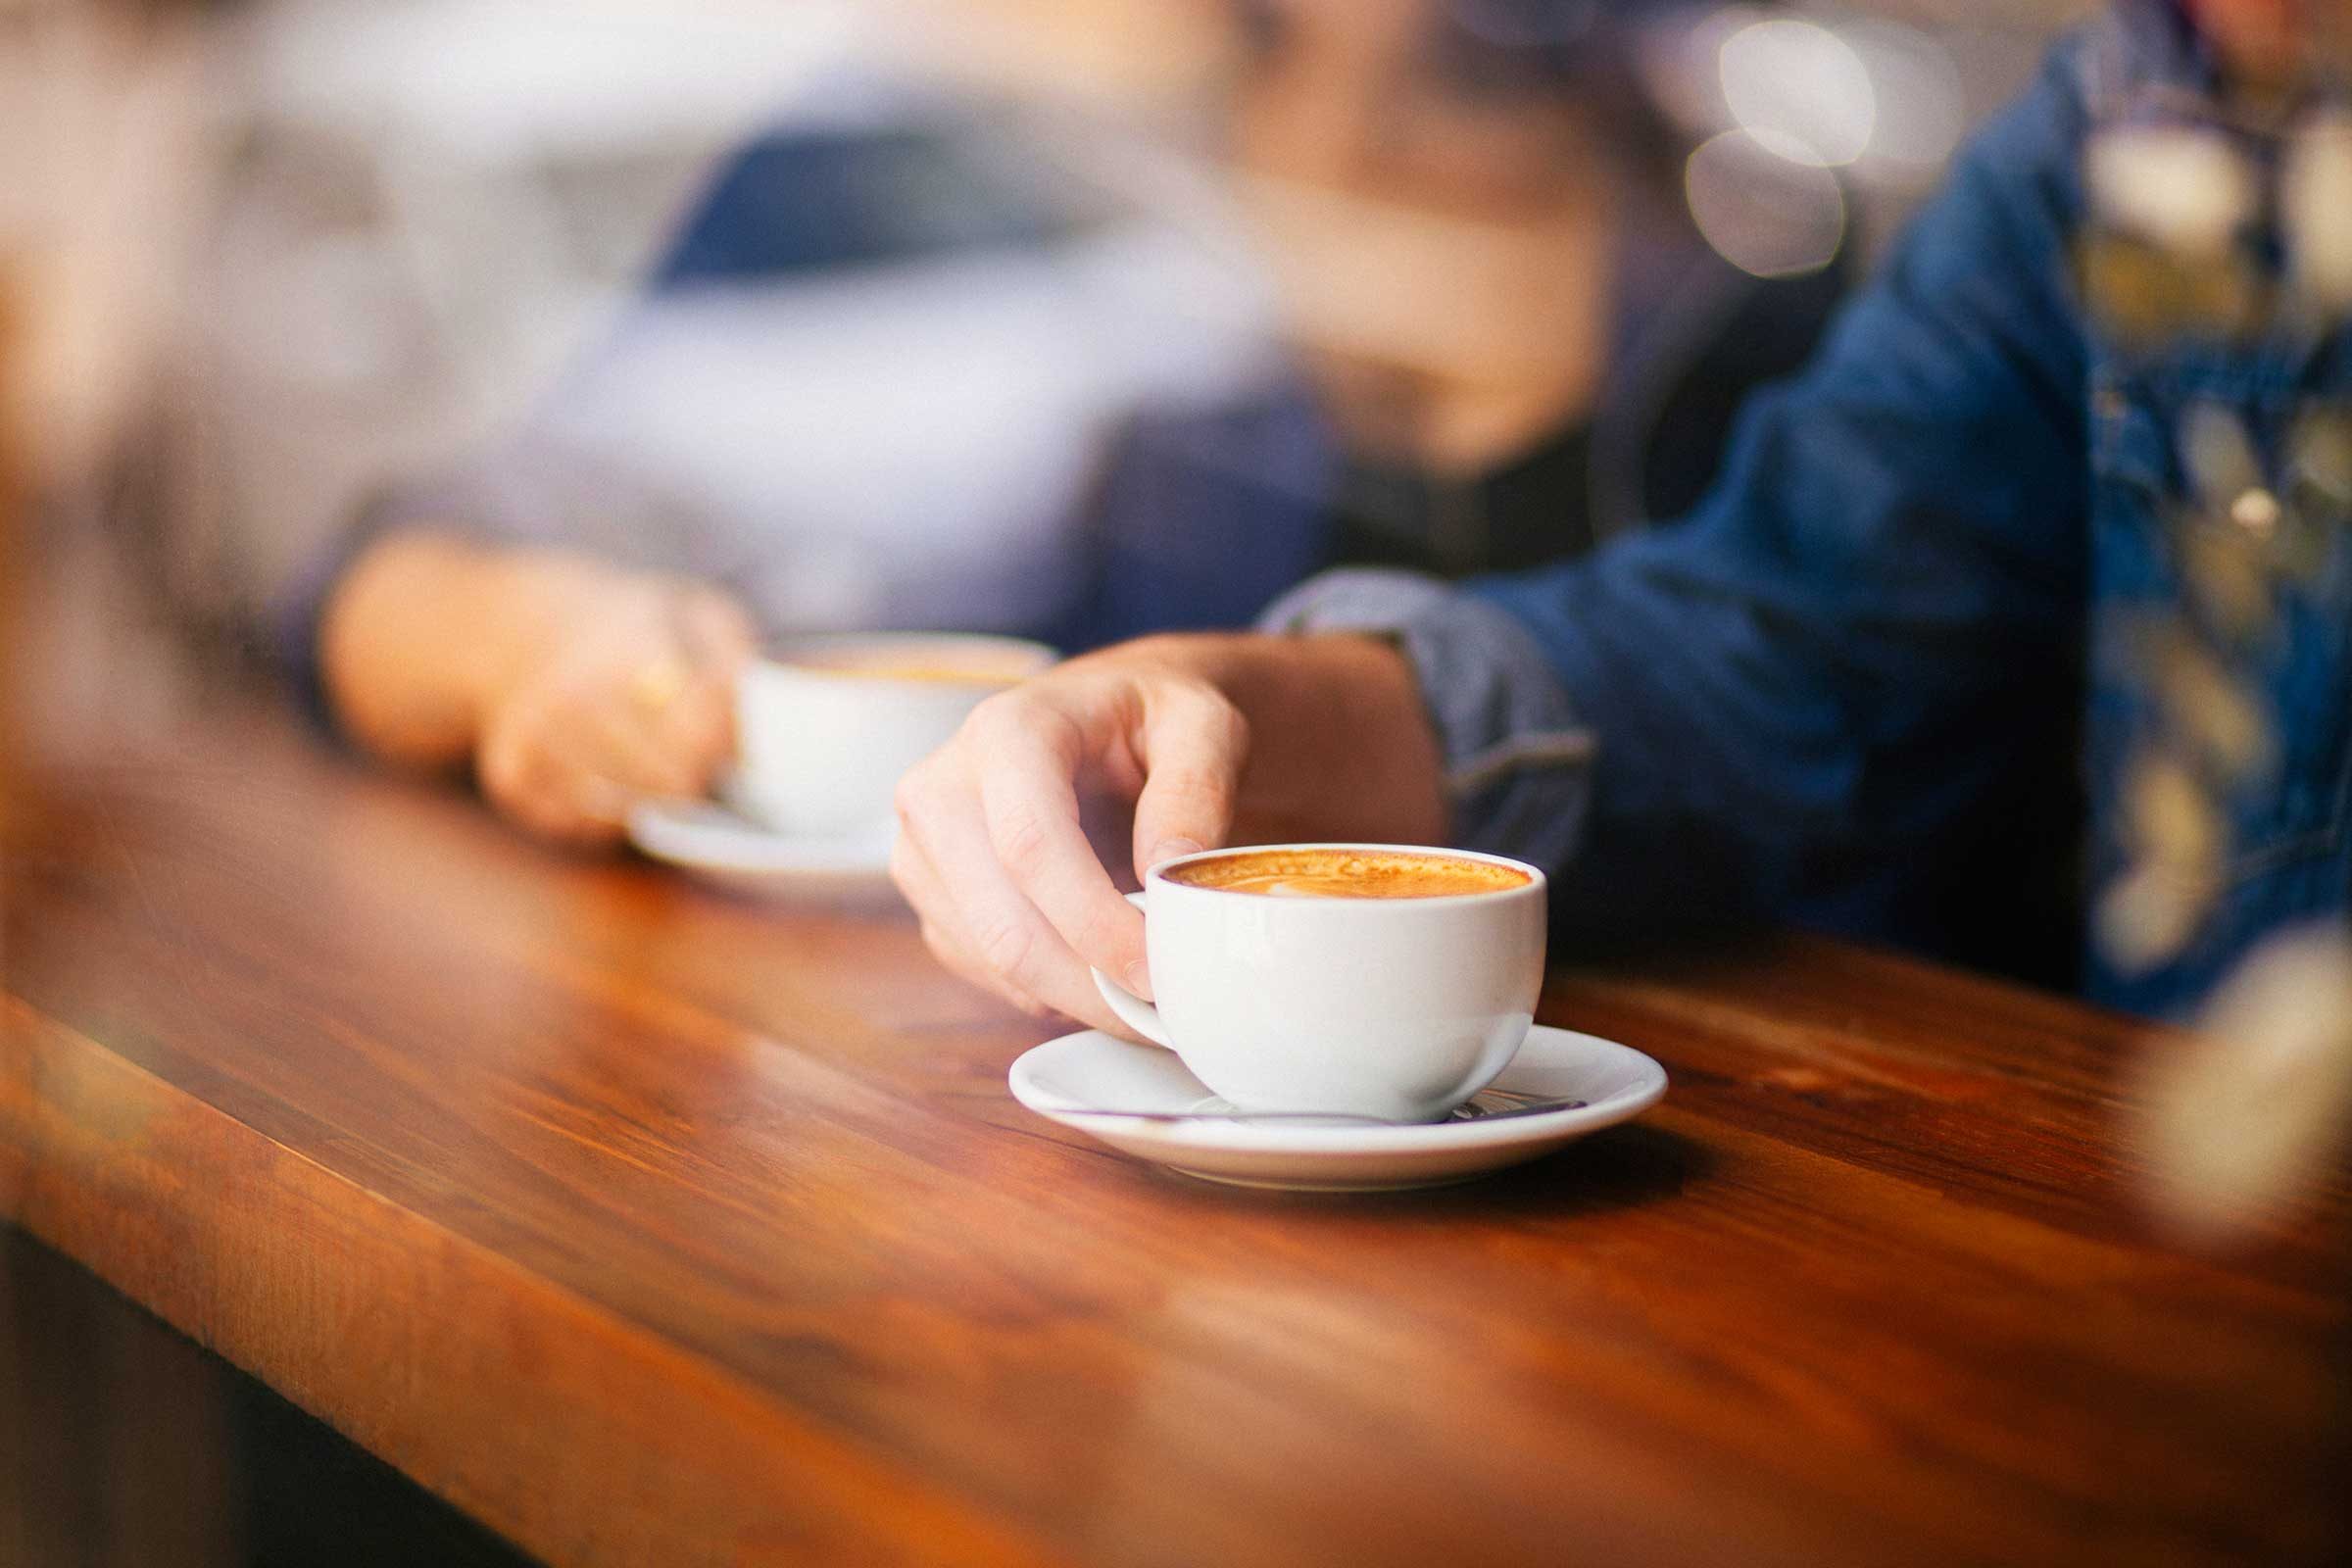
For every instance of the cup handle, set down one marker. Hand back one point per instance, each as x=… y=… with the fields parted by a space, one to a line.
x=1133 y=1010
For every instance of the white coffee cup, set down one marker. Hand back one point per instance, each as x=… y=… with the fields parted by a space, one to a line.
x=825 y=725
x=1396 y=1007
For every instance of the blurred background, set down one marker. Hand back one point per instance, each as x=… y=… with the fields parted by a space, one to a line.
x=858 y=300
x=871 y=311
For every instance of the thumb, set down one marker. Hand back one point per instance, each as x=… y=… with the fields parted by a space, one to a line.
x=1193 y=745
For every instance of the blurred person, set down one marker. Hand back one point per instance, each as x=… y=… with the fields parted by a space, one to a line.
x=2090 y=419
x=1509 y=343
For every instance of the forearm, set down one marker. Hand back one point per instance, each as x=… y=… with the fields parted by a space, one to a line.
x=424 y=629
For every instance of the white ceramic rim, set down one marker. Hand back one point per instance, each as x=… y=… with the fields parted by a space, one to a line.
x=1638 y=1096
x=1536 y=883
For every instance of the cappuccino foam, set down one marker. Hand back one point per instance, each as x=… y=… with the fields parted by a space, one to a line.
x=1347 y=874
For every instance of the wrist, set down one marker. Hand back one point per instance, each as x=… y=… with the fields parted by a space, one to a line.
x=1332 y=705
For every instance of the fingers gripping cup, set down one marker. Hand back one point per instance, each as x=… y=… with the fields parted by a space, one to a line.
x=1358 y=979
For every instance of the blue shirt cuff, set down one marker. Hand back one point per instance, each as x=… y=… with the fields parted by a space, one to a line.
x=1518 y=765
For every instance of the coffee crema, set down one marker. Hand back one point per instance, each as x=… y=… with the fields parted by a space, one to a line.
x=1347 y=874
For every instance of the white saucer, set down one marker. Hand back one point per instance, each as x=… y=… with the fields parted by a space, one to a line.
x=1062 y=1079
x=725 y=847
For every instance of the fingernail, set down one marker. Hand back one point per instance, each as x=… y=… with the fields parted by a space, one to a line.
x=1137 y=979
x=1170 y=848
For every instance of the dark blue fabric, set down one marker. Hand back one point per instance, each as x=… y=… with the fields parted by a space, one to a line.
x=1848 y=686
x=800 y=202
x=1202 y=522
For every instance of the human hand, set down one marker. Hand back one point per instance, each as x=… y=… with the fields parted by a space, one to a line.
x=625 y=692
x=1203 y=739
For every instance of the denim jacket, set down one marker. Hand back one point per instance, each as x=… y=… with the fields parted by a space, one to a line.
x=1878 y=679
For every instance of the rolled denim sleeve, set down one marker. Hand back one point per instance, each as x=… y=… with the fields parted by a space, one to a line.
x=1518 y=764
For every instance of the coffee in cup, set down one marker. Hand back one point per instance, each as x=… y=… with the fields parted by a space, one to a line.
x=1358 y=979
x=825 y=726
x=1320 y=873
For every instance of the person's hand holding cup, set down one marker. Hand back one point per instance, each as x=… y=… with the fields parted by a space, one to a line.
x=626 y=693
x=1199 y=738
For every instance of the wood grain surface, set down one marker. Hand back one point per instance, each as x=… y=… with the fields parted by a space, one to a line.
x=655 y=1227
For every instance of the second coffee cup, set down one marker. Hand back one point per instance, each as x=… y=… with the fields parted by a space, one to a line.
x=825 y=725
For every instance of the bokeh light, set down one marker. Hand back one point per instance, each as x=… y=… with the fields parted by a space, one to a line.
x=1921 y=108
x=1765 y=208
x=2182 y=188
x=1801 y=89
